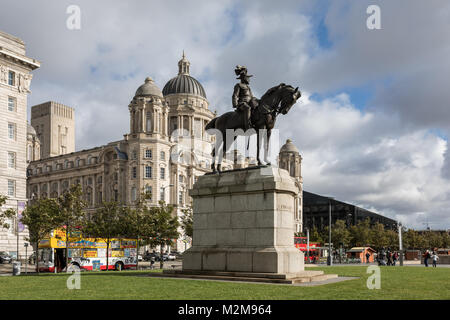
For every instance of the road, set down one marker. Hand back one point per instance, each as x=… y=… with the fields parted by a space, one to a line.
x=6 y=268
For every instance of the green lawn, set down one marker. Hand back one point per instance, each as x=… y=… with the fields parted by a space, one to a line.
x=396 y=283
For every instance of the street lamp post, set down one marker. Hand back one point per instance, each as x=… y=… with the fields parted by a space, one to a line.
x=400 y=243
x=330 y=256
x=26 y=257
x=307 y=245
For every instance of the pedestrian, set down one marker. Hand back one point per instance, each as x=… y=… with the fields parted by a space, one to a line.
x=435 y=258
x=152 y=262
x=426 y=256
x=389 y=257
x=367 y=257
x=394 y=258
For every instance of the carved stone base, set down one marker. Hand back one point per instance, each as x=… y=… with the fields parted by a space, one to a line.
x=244 y=222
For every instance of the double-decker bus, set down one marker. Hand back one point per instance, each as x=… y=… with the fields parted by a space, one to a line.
x=85 y=253
x=314 y=251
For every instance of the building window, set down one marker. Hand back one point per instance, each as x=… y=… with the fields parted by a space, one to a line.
x=148 y=154
x=134 y=155
x=148 y=172
x=134 y=173
x=133 y=194
x=162 y=173
x=180 y=198
x=162 y=155
x=11 y=160
x=149 y=122
x=180 y=178
x=29 y=153
x=11 y=104
x=162 y=194
x=12 y=131
x=11 y=78
x=148 y=191
x=11 y=188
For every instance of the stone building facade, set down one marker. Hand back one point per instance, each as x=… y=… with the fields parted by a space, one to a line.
x=163 y=153
x=15 y=79
x=55 y=127
x=290 y=159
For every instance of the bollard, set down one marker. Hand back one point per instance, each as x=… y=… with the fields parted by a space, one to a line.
x=16 y=268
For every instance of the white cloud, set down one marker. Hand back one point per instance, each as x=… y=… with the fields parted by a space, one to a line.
x=386 y=157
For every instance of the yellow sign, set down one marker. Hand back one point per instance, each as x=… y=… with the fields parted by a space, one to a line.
x=60 y=234
x=117 y=253
x=90 y=253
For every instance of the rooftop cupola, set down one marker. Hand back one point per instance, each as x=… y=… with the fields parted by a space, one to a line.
x=183 y=65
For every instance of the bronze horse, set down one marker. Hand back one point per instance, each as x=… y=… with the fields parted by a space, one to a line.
x=278 y=99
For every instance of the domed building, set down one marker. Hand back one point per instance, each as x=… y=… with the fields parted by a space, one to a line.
x=163 y=153
x=290 y=159
x=33 y=144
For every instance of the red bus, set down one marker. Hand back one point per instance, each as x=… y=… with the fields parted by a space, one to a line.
x=314 y=252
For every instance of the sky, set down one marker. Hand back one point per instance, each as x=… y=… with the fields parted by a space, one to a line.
x=373 y=121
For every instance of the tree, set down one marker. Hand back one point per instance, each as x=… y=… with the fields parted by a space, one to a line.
x=360 y=233
x=392 y=239
x=6 y=214
x=315 y=236
x=72 y=212
x=41 y=218
x=137 y=222
x=187 y=221
x=445 y=240
x=434 y=239
x=378 y=236
x=163 y=226
x=411 y=239
x=340 y=234
x=106 y=223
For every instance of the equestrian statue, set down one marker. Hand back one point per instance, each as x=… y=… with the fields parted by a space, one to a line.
x=251 y=113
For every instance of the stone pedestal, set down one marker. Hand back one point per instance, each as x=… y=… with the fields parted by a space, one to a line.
x=244 y=222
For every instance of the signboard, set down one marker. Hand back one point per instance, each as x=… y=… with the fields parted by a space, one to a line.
x=20 y=209
x=59 y=233
x=90 y=253
x=115 y=244
x=117 y=253
x=128 y=244
x=96 y=265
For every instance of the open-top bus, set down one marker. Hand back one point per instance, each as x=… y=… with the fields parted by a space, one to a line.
x=314 y=252
x=85 y=253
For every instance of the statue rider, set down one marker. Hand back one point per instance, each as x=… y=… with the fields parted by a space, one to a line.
x=243 y=99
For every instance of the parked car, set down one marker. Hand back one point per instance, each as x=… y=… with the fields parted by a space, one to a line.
x=178 y=255
x=148 y=256
x=5 y=257
x=169 y=257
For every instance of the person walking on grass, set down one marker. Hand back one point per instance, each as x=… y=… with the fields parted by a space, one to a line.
x=394 y=258
x=435 y=258
x=367 y=257
x=426 y=256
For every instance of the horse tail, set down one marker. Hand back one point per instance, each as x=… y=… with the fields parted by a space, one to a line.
x=211 y=124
